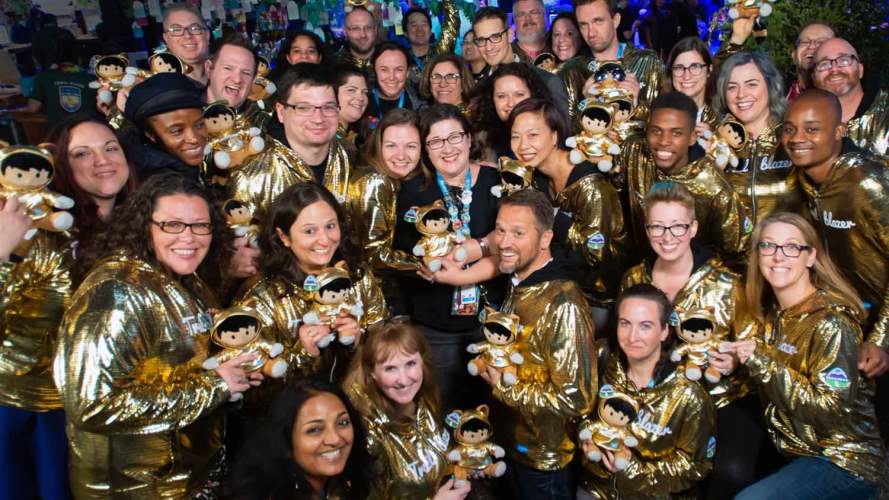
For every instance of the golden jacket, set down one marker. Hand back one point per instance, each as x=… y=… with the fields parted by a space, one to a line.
x=713 y=287
x=345 y=56
x=411 y=457
x=851 y=212
x=557 y=381
x=144 y=419
x=676 y=429
x=278 y=167
x=760 y=178
x=450 y=30
x=817 y=402
x=724 y=224
x=34 y=294
x=870 y=129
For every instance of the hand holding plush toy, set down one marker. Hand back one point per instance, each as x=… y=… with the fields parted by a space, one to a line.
x=231 y=143
x=262 y=87
x=606 y=78
x=112 y=73
x=593 y=143
x=240 y=220
x=623 y=112
x=499 y=350
x=332 y=294
x=437 y=241
x=698 y=333
x=514 y=176
x=473 y=450
x=236 y=331
x=758 y=10
x=611 y=431
x=723 y=147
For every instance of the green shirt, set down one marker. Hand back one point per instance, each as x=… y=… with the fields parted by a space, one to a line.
x=64 y=92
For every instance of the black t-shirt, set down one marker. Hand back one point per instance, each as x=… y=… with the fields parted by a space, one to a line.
x=430 y=303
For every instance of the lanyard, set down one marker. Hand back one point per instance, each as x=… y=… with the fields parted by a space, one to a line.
x=377 y=101
x=620 y=49
x=460 y=224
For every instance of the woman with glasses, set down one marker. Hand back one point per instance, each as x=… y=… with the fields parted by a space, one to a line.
x=447 y=80
x=818 y=406
x=131 y=344
x=564 y=38
x=688 y=71
x=696 y=281
x=393 y=385
x=447 y=314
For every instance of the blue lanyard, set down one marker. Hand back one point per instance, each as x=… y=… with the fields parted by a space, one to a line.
x=417 y=60
x=620 y=49
x=377 y=101
x=460 y=224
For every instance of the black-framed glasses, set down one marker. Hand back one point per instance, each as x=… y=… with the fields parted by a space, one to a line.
x=455 y=138
x=177 y=227
x=658 y=230
x=306 y=109
x=193 y=29
x=495 y=38
x=841 y=62
x=449 y=78
x=792 y=250
x=694 y=69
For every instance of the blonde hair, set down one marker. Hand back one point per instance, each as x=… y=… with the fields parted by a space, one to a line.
x=373 y=148
x=380 y=344
x=669 y=192
x=824 y=274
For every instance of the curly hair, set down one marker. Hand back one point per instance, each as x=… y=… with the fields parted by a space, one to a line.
x=582 y=48
x=130 y=228
x=278 y=261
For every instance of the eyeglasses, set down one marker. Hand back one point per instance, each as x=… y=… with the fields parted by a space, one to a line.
x=658 y=230
x=495 y=38
x=194 y=29
x=815 y=43
x=693 y=68
x=455 y=138
x=841 y=62
x=177 y=227
x=305 y=109
x=449 y=78
x=792 y=250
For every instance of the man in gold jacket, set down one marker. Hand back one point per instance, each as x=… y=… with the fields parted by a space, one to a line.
x=417 y=26
x=360 y=28
x=557 y=381
x=306 y=151
x=663 y=155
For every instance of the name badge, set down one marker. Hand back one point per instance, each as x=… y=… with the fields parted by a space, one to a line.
x=465 y=302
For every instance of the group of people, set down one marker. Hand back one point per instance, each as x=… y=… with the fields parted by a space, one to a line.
x=431 y=270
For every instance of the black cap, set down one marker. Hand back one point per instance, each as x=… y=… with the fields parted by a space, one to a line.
x=161 y=93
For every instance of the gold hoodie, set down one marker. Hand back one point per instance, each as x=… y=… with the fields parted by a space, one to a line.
x=870 y=130
x=851 y=212
x=676 y=429
x=817 y=402
x=33 y=296
x=144 y=418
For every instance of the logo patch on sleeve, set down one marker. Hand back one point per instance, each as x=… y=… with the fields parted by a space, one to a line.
x=596 y=241
x=836 y=378
x=711 y=447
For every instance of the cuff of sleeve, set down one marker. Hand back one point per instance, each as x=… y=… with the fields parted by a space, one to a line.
x=6 y=268
x=756 y=365
x=877 y=336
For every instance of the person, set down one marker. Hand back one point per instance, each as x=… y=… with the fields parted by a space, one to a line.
x=839 y=70
x=306 y=232
x=694 y=280
x=598 y=21
x=188 y=38
x=659 y=27
x=305 y=150
x=491 y=30
x=843 y=191
x=360 y=28
x=751 y=88
x=144 y=302
x=312 y=445
x=688 y=71
x=675 y=423
x=417 y=25
x=62 y=88
x=299 y=46
x=393 y=386
x=812 y=34
x=663 y=155
x=447 y=313
x=564 y=39
x=389 y=90
x=169 y=131
x=230 y=72
x=530 y=30
x=391 y=154
x=589 y=220
x=350 y=85
x=473 y=57
x=810 y=372
x=557 y=381
x=447 y=80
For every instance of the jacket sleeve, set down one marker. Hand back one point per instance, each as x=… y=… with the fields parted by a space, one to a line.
x=373 y=302
x=876 y=212
x=731 y=225
x=372 y=206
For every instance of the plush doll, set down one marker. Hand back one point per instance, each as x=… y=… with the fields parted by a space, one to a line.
x=437 y=240
x=514 y=176
x=473 y=450
x=350 y=5
x=623 y=111
x=593 y=143
x=758 y=10
x=159 y=62
x=236 y=331
x=230 y=142
x=499 y=349
x=331 y=291
x=723 y=146
x=25 y=173
x=697 y=333
x=240 y=220
x=112 y=73
x=611 y=431
x=607 y=76
x=262 y=87
x=546 y=62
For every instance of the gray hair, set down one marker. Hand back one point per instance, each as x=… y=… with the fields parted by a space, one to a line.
x=182 y=7
x=540 y=2
x=765 y=65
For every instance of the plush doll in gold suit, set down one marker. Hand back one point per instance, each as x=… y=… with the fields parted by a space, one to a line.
x=723 y=146
x=514 y=176
x=473 y=450
x=593 y=143
x=111 y=70
x=262 y=87
x=697 y=332
x=437 y=240
x=499 y=350
x=231 y=143
x=240 y=220
x=611 y=431
x=332 y=292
